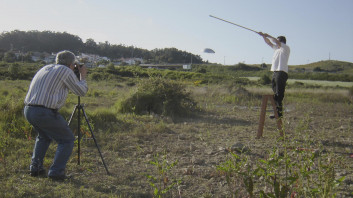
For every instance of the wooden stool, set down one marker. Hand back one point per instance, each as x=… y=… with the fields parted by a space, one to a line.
x=265 y=99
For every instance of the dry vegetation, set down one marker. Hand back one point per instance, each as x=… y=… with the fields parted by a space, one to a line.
x=151 y=155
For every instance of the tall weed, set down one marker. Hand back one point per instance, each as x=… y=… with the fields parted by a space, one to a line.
x=163 y=180
x=291 y=168
x=239 y=175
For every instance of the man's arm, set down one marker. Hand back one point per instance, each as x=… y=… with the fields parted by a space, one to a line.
x=270 y=40
x=83 y=72
x=78 y=87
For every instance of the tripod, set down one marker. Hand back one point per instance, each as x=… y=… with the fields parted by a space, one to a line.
x=79 y=107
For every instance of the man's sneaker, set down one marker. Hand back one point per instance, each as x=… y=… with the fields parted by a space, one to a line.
x=37 y=173
x=272 y=116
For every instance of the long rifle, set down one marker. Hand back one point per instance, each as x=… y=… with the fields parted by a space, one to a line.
x=234 y=24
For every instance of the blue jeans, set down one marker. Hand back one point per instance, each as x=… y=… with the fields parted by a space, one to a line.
x=50 y=125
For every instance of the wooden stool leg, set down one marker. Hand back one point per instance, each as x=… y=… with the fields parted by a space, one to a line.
x=279 y=120
x=262 y=116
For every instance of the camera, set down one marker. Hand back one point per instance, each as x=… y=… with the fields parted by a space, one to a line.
x=76 y=71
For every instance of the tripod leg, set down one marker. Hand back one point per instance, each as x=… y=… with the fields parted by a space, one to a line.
x=78 y=130
x=95 y=141
x=72 y=114
x=79 y=134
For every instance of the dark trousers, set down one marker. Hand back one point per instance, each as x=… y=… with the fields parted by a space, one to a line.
x=279 y=80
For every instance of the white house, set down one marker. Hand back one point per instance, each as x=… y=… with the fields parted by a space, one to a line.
x=91 y=59
x=131 y=61
x=188 y=67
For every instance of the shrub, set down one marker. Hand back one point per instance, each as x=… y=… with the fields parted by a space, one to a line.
x=9 y=57
x=202 y=70
x=96 y=76
x=241 y=81
x=14 y=70
x=160 y=96
x=111 y=68
x=265 y=79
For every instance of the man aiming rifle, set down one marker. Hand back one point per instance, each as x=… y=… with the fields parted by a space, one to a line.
x=279 y=64
x=279 y=68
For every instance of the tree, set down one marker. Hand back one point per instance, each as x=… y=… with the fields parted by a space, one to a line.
x=90 y=46
x=48 y=41
x=263 y=66
x=9 y=57
x=27 y=57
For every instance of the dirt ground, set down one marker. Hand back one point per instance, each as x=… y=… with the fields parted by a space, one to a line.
x=202 y=142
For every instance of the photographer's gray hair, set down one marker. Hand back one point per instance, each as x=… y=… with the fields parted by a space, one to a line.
x=65 y=58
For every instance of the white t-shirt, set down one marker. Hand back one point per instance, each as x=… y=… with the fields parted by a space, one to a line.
x=280 y=58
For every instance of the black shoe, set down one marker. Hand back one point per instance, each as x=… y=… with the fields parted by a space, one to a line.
x=37 y=173
x=273 y=116
x=59 y=177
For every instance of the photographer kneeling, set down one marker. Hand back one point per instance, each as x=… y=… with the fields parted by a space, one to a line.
x=46 y=95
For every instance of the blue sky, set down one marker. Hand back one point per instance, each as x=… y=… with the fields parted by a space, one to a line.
x=315 y=29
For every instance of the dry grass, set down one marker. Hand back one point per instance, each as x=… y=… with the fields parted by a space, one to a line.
x=199 y=143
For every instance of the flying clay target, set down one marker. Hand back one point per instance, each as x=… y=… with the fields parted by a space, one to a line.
x=208 y=50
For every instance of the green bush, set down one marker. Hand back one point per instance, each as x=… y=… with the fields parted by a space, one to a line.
x=14 y=70
x=265 y=79
x=241 y=81
x=96 y=76
x=110 y=68
x=160 y=96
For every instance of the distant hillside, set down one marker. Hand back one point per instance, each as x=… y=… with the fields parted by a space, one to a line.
x=48 y=41
x=326 y=66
